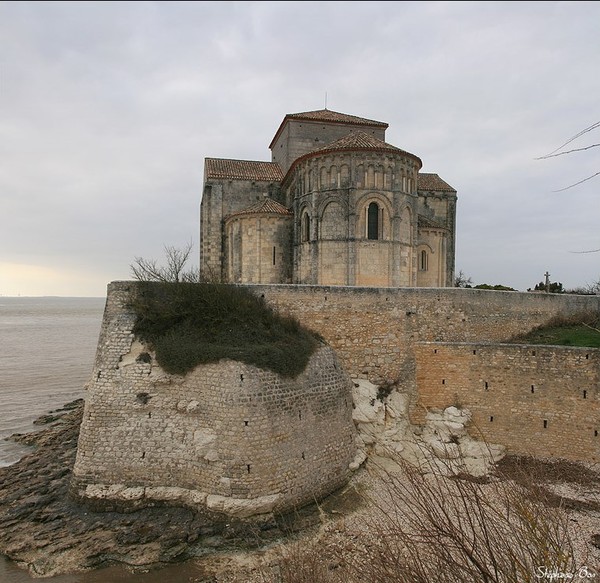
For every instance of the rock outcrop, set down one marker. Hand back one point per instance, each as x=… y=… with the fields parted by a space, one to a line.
x=443 y=444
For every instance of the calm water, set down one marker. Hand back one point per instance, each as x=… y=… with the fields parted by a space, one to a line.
x=47 y=348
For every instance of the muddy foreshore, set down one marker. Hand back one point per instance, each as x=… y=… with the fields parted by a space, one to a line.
x=45 y=531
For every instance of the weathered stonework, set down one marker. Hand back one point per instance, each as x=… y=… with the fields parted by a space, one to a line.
x=536 y=400
x=355 y=210
x=243 y=441
x=227 y=435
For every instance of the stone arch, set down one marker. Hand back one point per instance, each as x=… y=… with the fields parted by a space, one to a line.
x=384 y=218
x=324 y=183
x=333 y=176
x=344 y=176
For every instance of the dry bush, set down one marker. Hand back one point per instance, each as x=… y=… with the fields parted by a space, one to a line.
x=428 y=527
x=422 y=527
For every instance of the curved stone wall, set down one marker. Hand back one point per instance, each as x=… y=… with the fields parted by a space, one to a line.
x=227 y=436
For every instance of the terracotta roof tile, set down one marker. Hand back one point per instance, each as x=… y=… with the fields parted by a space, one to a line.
x=427 y=181
x=328 y=116
x=265 y=206
x=221 y=168
x=336 y=117
x=425 y=222
x=360 y=141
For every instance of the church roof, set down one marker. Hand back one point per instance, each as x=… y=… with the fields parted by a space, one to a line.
x=427 y=181
x=221 y=168
x=264 y=206
x=328 y=116
x=358 y=140
x=423 y=221
x=355 y=141
x=335 y=117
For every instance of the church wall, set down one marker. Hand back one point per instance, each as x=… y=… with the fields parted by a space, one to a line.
x=259 y=249
x=333 y=262
x=220 y=199
x=431 y=272
x=535 y=400
x=300 y=137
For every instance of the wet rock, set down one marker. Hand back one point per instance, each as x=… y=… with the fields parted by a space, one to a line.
x=44 y=528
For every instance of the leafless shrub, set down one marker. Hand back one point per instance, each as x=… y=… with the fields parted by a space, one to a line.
x=174 y=271
x=427 y=527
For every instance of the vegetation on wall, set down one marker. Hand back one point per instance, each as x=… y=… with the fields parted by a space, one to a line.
x=577 y=330
x=187 y=324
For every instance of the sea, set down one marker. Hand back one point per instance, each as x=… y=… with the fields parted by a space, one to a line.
x=47 y=350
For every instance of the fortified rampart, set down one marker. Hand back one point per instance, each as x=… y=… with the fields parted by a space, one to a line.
x=226 y=436
x=540 y=400
x=375 y=330
x=244 y=441
x=535 y=400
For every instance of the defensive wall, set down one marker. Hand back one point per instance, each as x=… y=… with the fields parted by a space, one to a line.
x=227 y=436
x=444 y=346
x=235 y=439
x=535 y=400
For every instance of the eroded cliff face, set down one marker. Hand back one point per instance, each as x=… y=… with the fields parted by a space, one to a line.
x=227 y=436
x=442 y=444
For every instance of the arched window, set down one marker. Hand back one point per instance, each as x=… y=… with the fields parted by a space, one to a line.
x=423 y=259
x=373 y=221
x=305 y=227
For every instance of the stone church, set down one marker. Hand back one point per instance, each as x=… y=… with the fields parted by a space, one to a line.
x=337 y=205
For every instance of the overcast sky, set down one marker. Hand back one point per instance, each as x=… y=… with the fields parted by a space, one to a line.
x=108 y=109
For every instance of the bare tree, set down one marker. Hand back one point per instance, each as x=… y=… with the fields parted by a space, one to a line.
x=560 y=151
x=461 y=280
x=174 y=270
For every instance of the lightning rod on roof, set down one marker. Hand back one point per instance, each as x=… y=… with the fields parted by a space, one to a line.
x=325 y=99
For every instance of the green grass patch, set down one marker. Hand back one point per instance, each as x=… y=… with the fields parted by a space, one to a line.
x=577 y=330
x=187 y=324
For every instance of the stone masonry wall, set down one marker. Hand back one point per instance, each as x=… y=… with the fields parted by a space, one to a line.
x=227 y=435
x=535 y=400
x=374 y=330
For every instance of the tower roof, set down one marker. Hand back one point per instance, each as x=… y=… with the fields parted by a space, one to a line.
x=328 y=116
x=224 y=169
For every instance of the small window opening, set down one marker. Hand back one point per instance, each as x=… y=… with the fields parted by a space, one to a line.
x=305 y=227
x=595 y=433
x=303 y=456
x=486 y=385
x=533 y=353
x=143 y=454
x=274 y=250
x=532 y=388
x=373 y=221
x=423 y=261
x=585 y=394
x=492 y=419
x=443 y=381
x=545 y=423
x=246 y=423
x=474 y=351
x=248 y=467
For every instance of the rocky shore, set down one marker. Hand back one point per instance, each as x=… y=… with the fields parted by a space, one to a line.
x=45 y=531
